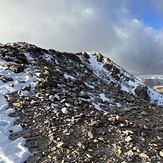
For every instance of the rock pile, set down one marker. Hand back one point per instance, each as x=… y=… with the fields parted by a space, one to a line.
x=75 y=116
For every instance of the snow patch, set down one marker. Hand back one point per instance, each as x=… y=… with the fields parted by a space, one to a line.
x=69 y=77
x=97 y=67
x=56 y=96
x=12 y=151
x=103 y=97
x=97 y=106
x=47 y=57
x=90 y=86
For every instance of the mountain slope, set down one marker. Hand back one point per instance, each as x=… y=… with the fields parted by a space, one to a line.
x=111 y=73
x=78 y=107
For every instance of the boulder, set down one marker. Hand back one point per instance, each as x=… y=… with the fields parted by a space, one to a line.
x=21 y=57
x=141 y=91
x=16 y=68
x=108 y=65
x=99 y=57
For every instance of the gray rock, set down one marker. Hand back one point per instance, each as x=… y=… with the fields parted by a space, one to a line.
x=64 y=110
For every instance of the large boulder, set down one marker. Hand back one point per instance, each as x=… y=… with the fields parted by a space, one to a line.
x=21 y=58
x=142 y=92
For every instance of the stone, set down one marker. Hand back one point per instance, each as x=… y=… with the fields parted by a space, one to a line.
x=130 y=153
x=108 y=65
x=5 y=79
x=16 y=68
x=26 y=88
x=49 y=156
x=99 y=57
x=128 y=139
x=85 y=55
x=119 y=151
x=89 y=156
x=90 y=135
x=141 y=91
x=98 y=100
x=161 y=153
x=64 y=110
x=9 y=98
x=81 y=145
x=128 y=132
x=68 y=104
x=63 y=100
x=101 y=138
x=54 y=158
x=51 y=97
x=144 y=113
x=59 y=144
x=33 y=102
x=21 y=57
x=38 y=74
x=11 y=85
x=16 y=104
x=143 y=155
x=28 y=74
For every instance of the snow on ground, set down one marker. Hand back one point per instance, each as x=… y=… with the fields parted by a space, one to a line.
x=155 y=97
x=69 y=77
x=12 y=151
x=56 y=96
x=90 y=86
x=97 y=67
x=97 y=106
x=47 y=57
x=103 y=97
x=129 y=86
x=30 y=58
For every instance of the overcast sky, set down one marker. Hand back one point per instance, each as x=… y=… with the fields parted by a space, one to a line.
x=128 y=31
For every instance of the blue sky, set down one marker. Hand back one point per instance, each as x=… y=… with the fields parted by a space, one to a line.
x=152 y=19
x=130 y=32
x=147 y=12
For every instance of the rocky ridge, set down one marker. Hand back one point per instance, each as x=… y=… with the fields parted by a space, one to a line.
x=84 y=108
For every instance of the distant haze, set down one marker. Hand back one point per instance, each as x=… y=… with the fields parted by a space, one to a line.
x=128 y=31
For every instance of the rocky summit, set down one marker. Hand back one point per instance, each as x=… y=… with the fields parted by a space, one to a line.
x=81 y=107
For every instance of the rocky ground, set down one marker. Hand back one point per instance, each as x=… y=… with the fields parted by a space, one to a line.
x=74 y=116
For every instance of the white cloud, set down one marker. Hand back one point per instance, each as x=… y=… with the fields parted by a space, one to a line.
x=139 y=48
x=106 y=26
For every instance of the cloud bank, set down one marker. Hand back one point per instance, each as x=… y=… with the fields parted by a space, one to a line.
x=107 y=26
